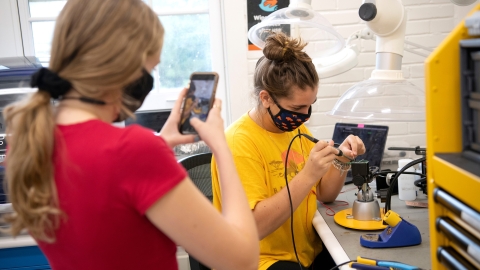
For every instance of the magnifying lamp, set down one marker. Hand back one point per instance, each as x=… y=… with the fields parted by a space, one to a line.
x=386 y=96
x=326 y=46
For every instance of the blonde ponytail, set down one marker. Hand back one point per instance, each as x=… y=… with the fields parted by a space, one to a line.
x=29 y=169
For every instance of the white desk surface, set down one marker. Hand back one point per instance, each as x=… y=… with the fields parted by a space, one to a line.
x=20 y=241
x=344 y=244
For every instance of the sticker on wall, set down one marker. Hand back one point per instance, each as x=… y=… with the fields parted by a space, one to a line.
x=257 y=10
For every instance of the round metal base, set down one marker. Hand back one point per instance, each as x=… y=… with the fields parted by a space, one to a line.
x=366 y=211
x=345 y=219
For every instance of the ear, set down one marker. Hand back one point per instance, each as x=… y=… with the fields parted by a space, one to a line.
x=265 y=99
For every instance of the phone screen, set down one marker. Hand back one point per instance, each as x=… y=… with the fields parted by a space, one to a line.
x=198 y=100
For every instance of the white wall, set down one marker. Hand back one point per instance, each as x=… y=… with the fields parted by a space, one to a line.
x=10 y=36
x=429 y=22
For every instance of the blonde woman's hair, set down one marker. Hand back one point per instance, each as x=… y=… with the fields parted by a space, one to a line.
x=98 y=46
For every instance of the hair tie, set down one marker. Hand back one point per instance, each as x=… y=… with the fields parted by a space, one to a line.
x=48 y=81
x=285 y=48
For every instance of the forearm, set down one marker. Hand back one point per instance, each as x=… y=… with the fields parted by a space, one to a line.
x=235 y=207
x=330 y=185
x=272 y=212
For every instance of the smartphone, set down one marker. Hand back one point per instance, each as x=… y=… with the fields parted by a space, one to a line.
x=199 y=99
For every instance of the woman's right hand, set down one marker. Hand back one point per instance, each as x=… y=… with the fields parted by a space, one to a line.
x=212 y=131
x=320 y=159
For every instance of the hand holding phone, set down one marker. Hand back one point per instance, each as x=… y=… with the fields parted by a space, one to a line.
x=212 y=131
x=199 y=100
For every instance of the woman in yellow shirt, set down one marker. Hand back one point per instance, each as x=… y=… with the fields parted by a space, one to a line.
x=286 y=86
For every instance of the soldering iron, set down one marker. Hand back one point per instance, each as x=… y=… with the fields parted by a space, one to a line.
x=336 y=145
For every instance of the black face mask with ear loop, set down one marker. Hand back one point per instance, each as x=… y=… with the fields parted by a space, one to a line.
x=136 y=91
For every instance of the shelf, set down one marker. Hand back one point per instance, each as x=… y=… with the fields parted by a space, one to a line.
x=458 y=160
x=459 y=176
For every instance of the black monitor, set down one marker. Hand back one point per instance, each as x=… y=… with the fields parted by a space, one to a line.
x=153 y=120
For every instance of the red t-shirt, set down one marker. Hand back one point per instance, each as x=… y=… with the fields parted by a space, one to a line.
x=106 y=178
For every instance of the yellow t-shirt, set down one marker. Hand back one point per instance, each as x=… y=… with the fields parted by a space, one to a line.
x=259 y=156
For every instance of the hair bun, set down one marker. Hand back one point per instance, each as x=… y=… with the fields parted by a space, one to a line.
x=280 y=47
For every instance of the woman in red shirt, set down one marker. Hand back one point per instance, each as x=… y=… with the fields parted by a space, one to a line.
x=96 y=196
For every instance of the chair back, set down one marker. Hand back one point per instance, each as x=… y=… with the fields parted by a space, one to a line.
x=198 y=168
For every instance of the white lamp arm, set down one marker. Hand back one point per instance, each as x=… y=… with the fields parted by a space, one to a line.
x=366 y=33
x=361 y=34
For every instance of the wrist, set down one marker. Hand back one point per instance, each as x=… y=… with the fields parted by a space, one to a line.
x=167 y=140
x=341 y=166
x=220 y=149
x=343 y=159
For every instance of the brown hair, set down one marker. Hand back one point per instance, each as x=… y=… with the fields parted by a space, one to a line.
x=99 y=47
x=283 y=66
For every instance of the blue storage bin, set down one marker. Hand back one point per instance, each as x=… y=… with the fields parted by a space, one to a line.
x=23 y=258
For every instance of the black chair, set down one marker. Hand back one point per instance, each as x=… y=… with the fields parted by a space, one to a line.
x=198 y=168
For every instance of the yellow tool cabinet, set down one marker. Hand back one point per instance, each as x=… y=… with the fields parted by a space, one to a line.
x=447 y=169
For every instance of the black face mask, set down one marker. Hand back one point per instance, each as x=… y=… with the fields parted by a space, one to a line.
x=286 y=120
x=138 y=91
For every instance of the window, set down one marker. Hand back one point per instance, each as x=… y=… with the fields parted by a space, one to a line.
x=192 y=32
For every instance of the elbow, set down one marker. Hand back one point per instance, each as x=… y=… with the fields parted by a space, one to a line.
x=252 y=257
x=262 y=228
x=326 y=198
x=262 y=232
x=252 y=265
x=250 y=262
x=327 y=195
x=246 y=258
x=243 y=252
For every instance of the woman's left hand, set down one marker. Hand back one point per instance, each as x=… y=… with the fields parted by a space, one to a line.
x=170 y=132
x=352 y=147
